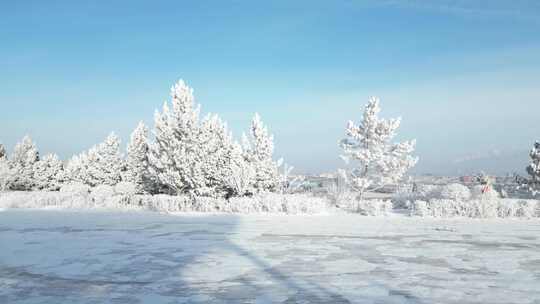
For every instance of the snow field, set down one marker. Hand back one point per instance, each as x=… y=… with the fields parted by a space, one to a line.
x=63 y=256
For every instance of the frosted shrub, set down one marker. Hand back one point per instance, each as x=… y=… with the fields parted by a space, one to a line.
x=125 y=188
x=479 y=193
x=163 y=202
x=486 y=208
x=339 y=193
x=420 y=208
x=75 y=188
x=428 y=192
x=457 y=192
x=304 y=203
x=271 y=202
x=476 y=208
x=101 y=193
x=277 y=203
x=209 y=204
x=42 y=199
x=403 y=197
x=518 y=208
x=243 y=204
x=527 y=208
x=371 y=207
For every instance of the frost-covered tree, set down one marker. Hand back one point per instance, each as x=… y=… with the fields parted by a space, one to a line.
x=106 y=162
x=534 y=169
x=137 y=160
x=23 y=158
x=259 y=150
x=201 y=157
x=377 y=161
x=76 y=168
x=216 y=146
x=48 y=173
x=242 y=177
x=7 y=174
x=100 y=165
x=3 y=153
x=175 y=157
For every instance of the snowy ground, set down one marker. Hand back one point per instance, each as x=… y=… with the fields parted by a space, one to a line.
x=49 y=256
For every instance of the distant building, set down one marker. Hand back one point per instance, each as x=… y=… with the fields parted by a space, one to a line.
x=467 y=179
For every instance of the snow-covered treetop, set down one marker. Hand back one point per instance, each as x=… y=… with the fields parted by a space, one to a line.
x=263 y=142
x=372 y=130
x=25 y=153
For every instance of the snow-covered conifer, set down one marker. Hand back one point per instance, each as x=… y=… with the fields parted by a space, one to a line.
x=534 y=168
x=242 y=177
x=175 y=158
x=378 y=161
x=76 y=167
x=48 y=173
x=3 y=153
x=259 y=150
x=100 y=165
x=106 y=162
x=223 y=157
x=137 y=160
x=7 y=174
x=24 y=156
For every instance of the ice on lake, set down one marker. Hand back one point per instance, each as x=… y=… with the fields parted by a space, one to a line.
x=49 y=256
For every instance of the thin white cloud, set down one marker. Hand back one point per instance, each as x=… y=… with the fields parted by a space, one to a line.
x=521 y=9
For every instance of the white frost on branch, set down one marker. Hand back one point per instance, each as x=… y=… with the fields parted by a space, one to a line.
x=137 y=171
x=376 y=160
x=49 y=173
x=100 y=165
x=23 y=158
x=259 y=150
x=534 y=169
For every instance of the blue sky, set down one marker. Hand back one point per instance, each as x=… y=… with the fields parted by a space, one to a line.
x=463 y=75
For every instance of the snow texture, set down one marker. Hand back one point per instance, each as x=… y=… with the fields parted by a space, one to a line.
x=139 y=257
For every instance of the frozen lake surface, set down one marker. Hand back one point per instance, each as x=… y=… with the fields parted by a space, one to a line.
x=141 y=257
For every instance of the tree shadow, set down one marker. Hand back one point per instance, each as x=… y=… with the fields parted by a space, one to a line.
x=130 y=257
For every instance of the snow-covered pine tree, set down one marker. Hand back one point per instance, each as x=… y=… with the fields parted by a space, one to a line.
x=76 y=168
x=259 y=150
x=137 y=160
x=221 y=155
x=242 y=178
x=7 y=174
x=534 y=169
x=100 y=165
x=175 y=158
x=105 y=162
x=378 y=161
x=3 y=153
x=48 y=173
x=23 y=158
